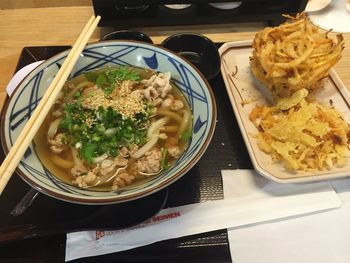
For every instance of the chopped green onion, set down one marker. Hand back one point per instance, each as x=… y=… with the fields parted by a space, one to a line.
x=164 y=163
x=186 y=136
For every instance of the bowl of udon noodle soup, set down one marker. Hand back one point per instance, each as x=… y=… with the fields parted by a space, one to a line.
x=131 y=119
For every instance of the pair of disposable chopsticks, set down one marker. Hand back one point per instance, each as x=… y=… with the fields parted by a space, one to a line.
x=30 y=129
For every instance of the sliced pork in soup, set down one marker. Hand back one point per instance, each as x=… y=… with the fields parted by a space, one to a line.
x=114 y=127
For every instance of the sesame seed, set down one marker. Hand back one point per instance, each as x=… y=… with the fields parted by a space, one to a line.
x=127 y=106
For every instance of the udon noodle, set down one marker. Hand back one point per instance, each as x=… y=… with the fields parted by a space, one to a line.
x=114 y=127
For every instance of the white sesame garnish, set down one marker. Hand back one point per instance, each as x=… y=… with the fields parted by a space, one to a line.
x=125 y=105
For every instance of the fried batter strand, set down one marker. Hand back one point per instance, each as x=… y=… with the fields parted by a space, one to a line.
x=293 y=56
x=306 y=137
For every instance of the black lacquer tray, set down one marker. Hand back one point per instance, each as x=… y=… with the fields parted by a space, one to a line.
x=203 y=182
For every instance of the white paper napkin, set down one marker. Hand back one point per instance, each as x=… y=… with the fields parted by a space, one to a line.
x=20 y=75
x=248 y=199
x=317 y=237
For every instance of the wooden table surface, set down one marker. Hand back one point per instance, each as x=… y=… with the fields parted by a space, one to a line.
x=61 y=26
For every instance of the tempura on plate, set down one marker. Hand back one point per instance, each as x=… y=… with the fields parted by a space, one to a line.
x=308 y=136
x=292 y=60
x=294 y=55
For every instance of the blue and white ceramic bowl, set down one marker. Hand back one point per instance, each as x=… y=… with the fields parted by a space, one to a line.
x=27 y=95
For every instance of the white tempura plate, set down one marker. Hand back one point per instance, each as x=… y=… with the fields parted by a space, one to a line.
x=246 y=92
x=316 y=5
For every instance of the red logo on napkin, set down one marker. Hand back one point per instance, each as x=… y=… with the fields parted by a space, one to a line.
x=99 y=234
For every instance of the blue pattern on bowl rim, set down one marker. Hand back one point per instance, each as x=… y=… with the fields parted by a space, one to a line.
x=26 y=96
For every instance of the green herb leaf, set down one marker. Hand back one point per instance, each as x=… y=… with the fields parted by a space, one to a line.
x=101 y=81
x=88 y=150
x=108 y=79
x=67 y=121
x=125 y=73
x=186 y=136
x=91 y=76
x=77 y=95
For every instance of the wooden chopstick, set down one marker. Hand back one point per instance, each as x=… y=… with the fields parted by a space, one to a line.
x=30 y=129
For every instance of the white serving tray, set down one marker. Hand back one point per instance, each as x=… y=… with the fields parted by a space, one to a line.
x=245 y=92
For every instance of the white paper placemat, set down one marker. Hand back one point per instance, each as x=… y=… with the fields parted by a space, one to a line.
x=248 y=200
x=316 y=237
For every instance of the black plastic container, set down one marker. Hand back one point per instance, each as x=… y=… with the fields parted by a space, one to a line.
x=198 y=49
x=127 y=35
